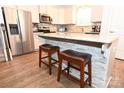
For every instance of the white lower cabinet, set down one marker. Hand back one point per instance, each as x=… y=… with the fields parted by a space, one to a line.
x=38 y=41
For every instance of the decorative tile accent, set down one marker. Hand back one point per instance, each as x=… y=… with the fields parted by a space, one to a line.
x=99 y=61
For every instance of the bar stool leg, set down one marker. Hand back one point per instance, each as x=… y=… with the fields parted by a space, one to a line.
x=49 y=60
x=82 y=75
x=58 y=52
x=59 y=69
x=68 y=68
x=89 y=73
x=40 y=53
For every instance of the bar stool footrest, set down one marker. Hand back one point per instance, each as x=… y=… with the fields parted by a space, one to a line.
x=73 y=78
x=55 y=61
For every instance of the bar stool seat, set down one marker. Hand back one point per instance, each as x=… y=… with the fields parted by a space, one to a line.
x=50 y=49
x=78 y=61
x=49 y=46
x=75 y=55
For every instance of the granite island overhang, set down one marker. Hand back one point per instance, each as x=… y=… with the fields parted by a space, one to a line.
x=102 y=49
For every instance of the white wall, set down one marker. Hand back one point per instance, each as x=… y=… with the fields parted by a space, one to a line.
x=113 y=22
x=1 y=16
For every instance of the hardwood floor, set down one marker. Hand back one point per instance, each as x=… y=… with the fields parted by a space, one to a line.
x=118 y=75
x=24 y=71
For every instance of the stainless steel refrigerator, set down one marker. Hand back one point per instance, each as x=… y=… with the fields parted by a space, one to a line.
x=18 y=27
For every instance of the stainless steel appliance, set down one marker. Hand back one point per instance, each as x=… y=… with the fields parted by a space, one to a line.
x=44 y=18
x=96 y=28
x=44 y=27
x=18 y=27
x=62 y=28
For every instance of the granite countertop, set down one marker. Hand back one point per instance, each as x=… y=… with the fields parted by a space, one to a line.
x=81 y=36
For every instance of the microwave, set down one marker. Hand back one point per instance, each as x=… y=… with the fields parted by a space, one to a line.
x=44 y=18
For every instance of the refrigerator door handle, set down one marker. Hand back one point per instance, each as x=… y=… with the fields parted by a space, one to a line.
x=18 y=24
x=19 y=28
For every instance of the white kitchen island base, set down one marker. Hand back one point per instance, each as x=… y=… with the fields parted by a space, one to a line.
x=103 y=55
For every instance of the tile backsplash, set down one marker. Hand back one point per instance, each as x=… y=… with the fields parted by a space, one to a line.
x=70 y=27
x=74 y=28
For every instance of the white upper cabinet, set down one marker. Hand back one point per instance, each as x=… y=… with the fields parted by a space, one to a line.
x=96 y=14
x=34 y=10
x=54 y=15
x=83 y=16
x=52 y=11
x=44 y=9
x=70 y=14
x=66 y=14
x=61 y=14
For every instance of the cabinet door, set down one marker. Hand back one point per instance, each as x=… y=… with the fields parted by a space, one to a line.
x=57 y=14
x=61 y=15
x=43 y=9
x=38 y=41
x=64 y=14
x=35 y=14
x=69 y=14
x=54 y=12
x=96 y=13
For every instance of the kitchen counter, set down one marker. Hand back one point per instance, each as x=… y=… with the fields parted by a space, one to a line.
x=102 y=49
x=81 y=36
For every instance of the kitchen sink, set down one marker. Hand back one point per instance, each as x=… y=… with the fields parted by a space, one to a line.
x=92 y=32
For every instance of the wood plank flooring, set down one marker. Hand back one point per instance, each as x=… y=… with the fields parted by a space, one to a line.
x=23 y=71
x=117 y=75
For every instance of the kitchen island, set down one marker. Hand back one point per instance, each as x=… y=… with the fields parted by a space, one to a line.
x=101 y=48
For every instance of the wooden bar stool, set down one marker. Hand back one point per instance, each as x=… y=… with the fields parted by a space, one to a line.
x=50 y=49
x=77 y=61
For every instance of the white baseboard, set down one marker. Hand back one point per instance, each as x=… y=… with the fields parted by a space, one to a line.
x=110 y=78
